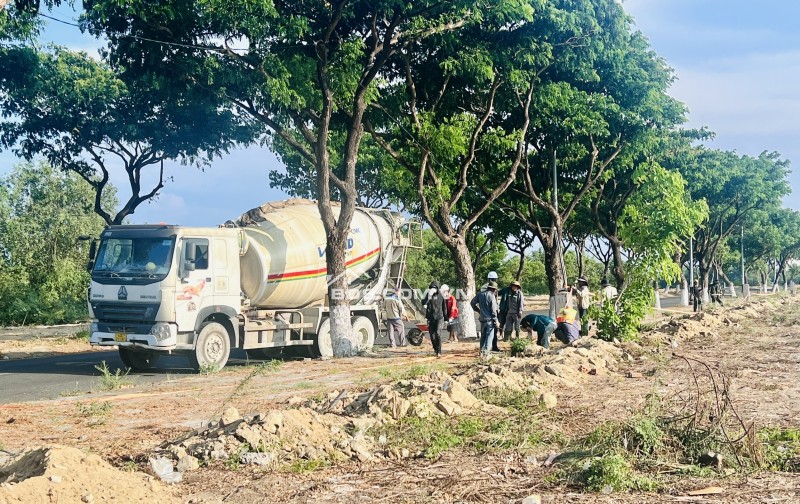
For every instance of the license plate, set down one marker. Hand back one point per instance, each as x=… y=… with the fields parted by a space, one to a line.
x=120 y=336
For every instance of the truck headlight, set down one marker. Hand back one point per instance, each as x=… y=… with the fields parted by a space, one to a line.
x=161 y=331
x=93 y=328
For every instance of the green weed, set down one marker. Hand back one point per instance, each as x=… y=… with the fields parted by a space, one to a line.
x=613 y=473
x=95 y=412
x=780 y=449
x=519 y=345
x=302 y=466
x=209 y=368
x=112 y=381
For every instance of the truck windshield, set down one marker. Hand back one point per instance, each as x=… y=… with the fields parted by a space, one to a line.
x=147 y=257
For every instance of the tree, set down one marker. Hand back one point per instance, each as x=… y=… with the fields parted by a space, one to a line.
x=599 y=99
x=453 y=120
x=42 y=265
x=79 y=115
x=733 y=187
x=305 y=69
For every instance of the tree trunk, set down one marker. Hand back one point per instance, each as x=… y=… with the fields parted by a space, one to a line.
x=342 y=337
x=619 y=265
x=556 y=279
x=705 y=269
x=521 y=266
x=466 y=287
x=579 y=258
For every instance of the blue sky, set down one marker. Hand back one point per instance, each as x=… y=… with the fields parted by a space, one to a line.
x=737 y=63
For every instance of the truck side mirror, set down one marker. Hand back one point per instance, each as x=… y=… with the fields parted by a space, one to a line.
x=189 y=256
x=92 y=255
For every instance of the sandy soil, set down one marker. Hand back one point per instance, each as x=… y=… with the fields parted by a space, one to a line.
x=760 y=354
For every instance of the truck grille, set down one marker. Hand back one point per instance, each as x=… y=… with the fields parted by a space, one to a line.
x=125 y=312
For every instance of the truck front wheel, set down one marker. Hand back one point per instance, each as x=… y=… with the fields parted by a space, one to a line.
x=138 y=361
x=212 y=348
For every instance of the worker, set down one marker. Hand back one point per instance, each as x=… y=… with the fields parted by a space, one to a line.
x=451 y=314
x=515 y=304
x=435 y=310
x=715 y=291
x=696 y=293
x=485 y=303
x=395 y=314
x=542 y=324
x=608 y=291
x=567 y=329
x=584 y=301
x=491 y=277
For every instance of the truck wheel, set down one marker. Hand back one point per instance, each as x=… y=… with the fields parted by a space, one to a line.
x=138 y=361
x=364 y=333
x=415 y=337
x=212 y=348
x=323 y=346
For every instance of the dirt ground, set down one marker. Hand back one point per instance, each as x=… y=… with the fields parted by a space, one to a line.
x=759 y=353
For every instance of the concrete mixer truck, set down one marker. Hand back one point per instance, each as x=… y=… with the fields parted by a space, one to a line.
x=258 y=283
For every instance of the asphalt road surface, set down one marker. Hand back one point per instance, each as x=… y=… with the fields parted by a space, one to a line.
x=72 y=374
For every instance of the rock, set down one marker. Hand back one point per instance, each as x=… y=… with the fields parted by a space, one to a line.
x=458 y=394
x=255 y=458
x=188 y=463
x=532 y=499
x=361 y=450
x=55 y=479
x=229 y=416
x=405 y=453
x=162 y=468
x=584 y=352
x=627 y=357
x=88 y=499
x=548 y=401
x=295 y=401
x=273 y=421
x=249 y=435
x=634 y=374
x=178 y=452
x=556 y=370
x=595 y=371
x=446 y=405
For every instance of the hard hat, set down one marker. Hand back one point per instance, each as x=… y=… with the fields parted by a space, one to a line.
x=492 y=275
x=444 y=288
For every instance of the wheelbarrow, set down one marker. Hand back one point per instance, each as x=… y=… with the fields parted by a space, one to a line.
x=417 y=335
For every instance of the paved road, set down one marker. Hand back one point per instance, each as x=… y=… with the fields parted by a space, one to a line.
x=51 y=377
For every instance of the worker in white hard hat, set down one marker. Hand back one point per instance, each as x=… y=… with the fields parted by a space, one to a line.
x=491 y=277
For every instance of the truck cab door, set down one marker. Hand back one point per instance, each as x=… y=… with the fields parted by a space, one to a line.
x=194 y=291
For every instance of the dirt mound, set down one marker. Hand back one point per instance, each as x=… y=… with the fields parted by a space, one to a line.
x=332 y=428
x=62 y=474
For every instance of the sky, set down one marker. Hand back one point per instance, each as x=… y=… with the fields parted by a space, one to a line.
x=737 y=64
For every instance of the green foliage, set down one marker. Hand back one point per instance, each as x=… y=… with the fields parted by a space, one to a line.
x=112 y=380
x=519 y=345
x=433 y=262
x=780 y=448
x=42 y=263
x=620 y=318
x=613 y=473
